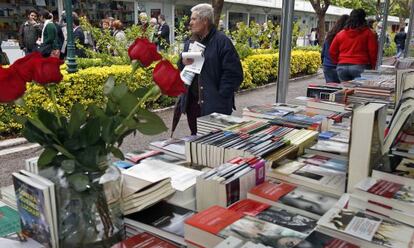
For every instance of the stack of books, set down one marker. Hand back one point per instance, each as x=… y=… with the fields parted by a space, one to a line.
x=307 y=202
x=229 y=182
x=216 y=121
x=388 y=198
x=173 y=147
x=218 y=147
x=270 y=111
x=330 y=149
x=365 y=228
x=322 y=178
x=153 y=180
x=162 y=219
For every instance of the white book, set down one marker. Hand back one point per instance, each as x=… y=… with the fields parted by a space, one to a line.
x=151 y=171
x=368 y=125
x=389 y=193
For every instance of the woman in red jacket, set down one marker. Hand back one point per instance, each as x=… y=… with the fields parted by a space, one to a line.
x=355 y=48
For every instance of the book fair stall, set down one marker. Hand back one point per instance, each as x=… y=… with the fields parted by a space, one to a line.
x=334 y=171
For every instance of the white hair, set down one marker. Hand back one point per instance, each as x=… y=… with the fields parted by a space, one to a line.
x=204 y=11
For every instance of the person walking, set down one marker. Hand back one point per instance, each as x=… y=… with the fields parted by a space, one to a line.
x=163 y=33
x=79 y=38
x=355 y=48
x=329 y=68
x=221 y=75
x=29 y=33
x=399 y=40
x=49 y=41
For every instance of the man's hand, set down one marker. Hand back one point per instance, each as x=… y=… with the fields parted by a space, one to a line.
x=187 y=61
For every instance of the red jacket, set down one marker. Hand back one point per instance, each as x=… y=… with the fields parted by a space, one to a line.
x=355 y=46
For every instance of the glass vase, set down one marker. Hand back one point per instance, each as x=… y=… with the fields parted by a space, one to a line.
x=93 y=217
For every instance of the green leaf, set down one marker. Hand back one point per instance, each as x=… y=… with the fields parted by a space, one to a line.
x=77 y=118
x=90 y=133
x=47 y=157
x=127 y=103
x=108 y=130
x=68 y=166
x=63 y=151
x=88 y=158
x=72 y=144
x=79 y=182
x=118 y=92
x=150 y=123
x=20 y=119
x=38 y=124
x=130 y=123
x=48 y=119
x=33 y=134
x=109 y=85
x=117 y=153
x=95 y=111
x=140 y=92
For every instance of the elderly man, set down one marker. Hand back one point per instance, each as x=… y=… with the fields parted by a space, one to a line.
x=221 y=75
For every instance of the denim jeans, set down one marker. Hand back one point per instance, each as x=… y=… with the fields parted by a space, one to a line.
x=399 y=51
x=350 y=72
x=331 y=76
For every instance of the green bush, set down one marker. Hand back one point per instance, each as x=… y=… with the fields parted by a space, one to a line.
x=86 y=85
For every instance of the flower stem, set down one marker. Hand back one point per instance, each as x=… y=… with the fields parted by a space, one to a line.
x=153 y=91
x=52 y=94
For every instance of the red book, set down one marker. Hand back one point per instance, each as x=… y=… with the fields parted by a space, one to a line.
x=249 y=207
x=213 y=219
x=144 y=240
x=272 y=191
x=385 y=188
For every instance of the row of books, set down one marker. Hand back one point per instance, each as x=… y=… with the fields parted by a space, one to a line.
x=218 y=147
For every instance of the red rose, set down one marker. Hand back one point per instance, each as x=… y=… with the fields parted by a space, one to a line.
x=11 y=84
x=24 y=66
x=47 y=70
x=168 y=79
x=144 y=51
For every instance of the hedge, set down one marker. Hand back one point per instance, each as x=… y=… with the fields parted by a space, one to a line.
x=86 y=86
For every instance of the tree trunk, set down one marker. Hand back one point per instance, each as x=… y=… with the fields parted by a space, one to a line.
x=218 y=7
x=321 y=28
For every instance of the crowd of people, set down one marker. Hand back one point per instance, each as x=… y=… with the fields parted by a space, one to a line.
x=45 y=33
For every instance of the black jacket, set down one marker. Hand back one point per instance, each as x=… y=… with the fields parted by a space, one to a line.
x=164 y=33
x=28 y=35
x=220 y=77
x=399 y=39
x=79 y=36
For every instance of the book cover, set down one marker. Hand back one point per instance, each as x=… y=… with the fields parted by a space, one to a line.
x=310 y=201
x=272 y=191
x=384 y=232
x=258 y=231
x=164 y=216
x=213 y=219
x=319 y=240
x=144 y=240
x=387 y=189
x=34 y=209
x=322 y=176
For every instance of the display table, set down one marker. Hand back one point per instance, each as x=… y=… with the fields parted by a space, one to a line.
x=12 y=49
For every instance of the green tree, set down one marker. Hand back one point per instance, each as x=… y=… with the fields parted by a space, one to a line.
x=401 y=8
x=320 y=7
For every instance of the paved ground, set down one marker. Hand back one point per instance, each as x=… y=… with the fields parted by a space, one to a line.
x=266 y=94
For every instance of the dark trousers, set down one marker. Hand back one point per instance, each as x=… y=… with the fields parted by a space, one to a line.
x=331 y=76
x=193 y=112
x=350 y=72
